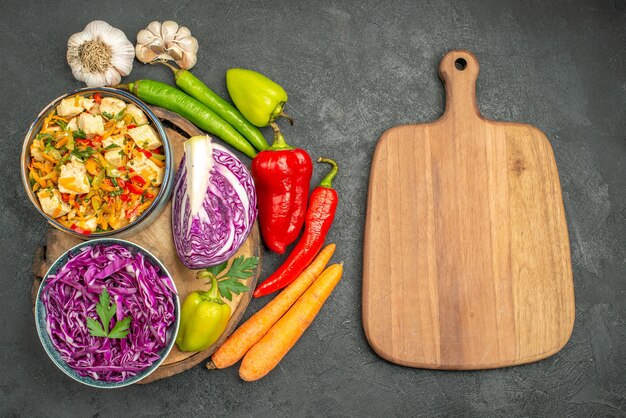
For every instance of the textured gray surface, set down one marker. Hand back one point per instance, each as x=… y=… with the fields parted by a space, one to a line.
x=353 y=69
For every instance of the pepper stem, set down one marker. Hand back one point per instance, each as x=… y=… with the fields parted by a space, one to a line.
x=279 y=140
x=328 y=180
x=214 y=292
x=278 y=112
x=286 y=116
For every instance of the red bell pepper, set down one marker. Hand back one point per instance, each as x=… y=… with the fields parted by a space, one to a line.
x=84 y=141
x=145 y=152
x=133 y=188
x=282 y=175
x=319 y=218
x=139 y=180
x=80 y=230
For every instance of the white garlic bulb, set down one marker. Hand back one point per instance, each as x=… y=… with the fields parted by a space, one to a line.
x=100 y=55
x=167 y=41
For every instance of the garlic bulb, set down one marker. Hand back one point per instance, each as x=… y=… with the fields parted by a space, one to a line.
x=167 y=41
x=100 y=55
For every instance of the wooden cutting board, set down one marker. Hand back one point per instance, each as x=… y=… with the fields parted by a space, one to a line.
x=466 y=253
x=157 y=238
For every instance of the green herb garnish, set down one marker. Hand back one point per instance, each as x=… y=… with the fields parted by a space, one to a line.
x=61 y=123
x=79 y=133
x=231 y=281
x=106 y=312
x=117 y=116
x=83 y=154
x=110 y=146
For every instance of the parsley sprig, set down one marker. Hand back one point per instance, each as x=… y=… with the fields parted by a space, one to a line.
x=106 y=312
x=231 y=281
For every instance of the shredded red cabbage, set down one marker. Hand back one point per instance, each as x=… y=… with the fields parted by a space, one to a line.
x=140 y=291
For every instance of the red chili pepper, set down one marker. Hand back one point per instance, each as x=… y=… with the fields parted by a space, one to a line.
x=131 y=126
x=145 y=152
x=65 y=197
x=149 y=195
x=319 y=218
x=97 y=138
x=125 y=196
x=121 y=183
x=282 y=175
x=97 y=97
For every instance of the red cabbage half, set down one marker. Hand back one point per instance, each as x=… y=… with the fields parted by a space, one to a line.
x=139 y=290
x=213 y=206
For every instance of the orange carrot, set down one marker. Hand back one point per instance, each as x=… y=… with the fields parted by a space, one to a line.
x=240 y=341
x=268 y=352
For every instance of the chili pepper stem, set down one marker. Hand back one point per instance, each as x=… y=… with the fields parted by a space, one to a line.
x=279 y=140
x=328 y=180
x=124 y=86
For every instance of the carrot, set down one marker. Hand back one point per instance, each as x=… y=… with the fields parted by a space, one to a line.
x=240 y=341
x=62 y=142
x=268 y=352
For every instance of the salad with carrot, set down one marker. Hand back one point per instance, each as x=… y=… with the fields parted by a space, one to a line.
x=96 y=164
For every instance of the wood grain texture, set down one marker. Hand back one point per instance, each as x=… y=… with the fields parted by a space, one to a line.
x=157 y=238
x=466 y=253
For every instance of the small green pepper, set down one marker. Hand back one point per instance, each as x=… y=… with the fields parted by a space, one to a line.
x=203 y=318
x=257 y=97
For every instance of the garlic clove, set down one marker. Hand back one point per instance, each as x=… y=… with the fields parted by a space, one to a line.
x=158 y=48
x=94 y=79
x=187 y=61
x=174 y=51
x=97 y=28
x=113 y=77
x=145 y=37
x=77 y=39
x=145 y=54
x=183 y=32
x=122 y=63
x=189 y=44
x=168 y=30
x=155 y=28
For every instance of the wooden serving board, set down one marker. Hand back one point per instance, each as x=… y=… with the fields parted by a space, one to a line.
x=466 y=254
x=157 y=238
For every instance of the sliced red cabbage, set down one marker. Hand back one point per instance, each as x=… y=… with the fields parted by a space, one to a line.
x=140 y=291
x=213 y=206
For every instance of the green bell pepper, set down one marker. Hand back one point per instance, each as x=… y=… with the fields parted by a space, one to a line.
x=257 y=97
x=204 y=316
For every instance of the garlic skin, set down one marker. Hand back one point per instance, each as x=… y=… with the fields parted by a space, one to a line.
x=167 y=41
x=100 y=55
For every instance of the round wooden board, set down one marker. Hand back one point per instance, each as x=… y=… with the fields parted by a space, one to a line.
x=157 y=238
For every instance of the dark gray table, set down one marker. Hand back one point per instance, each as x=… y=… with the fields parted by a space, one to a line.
x=353 y=69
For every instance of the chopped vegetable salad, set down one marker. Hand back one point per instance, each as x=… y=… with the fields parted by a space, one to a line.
x=97 y=164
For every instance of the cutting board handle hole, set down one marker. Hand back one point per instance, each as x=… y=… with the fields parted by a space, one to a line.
x=460 y=64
